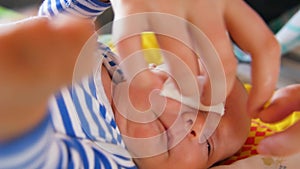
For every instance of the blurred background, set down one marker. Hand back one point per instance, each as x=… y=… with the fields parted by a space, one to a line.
x=274 y=12
x=270 y=10
x=19 y=4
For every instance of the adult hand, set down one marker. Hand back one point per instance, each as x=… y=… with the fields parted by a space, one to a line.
x=284 y=102
x=220 y=21
x=37 y=57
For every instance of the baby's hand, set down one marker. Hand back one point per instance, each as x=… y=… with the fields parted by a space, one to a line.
x=284 y=102
x=37 y=57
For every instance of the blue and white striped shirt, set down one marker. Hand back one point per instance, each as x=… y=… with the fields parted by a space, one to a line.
x=81 y=8
x=79 y=132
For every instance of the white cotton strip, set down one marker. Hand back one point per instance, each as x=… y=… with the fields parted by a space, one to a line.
x=169 y=90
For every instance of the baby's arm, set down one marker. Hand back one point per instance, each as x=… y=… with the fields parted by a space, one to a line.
x=82 y=8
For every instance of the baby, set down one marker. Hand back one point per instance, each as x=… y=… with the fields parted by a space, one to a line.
x=80 y=126
x=226 y=140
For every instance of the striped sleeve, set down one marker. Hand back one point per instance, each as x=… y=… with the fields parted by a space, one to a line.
x=82 y=8
x=84 y=154
x=86 y=133
x=48 y=146
x=30 y=150
x=80 y=132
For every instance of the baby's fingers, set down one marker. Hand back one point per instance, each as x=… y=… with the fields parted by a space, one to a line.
x=281 y=144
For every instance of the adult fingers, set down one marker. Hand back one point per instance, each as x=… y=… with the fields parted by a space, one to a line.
x=251 y=34
x=283 y=103
x=281 y=144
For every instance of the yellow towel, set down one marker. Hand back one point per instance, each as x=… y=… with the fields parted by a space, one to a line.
x=258 y=131
x=285 y=123
x=151 y=48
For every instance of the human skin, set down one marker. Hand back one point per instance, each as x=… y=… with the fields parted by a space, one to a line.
x=221 y=21
x=26 y=98
x=229 y=131
x=34 y=64
x=283 y=103
x=227 y=139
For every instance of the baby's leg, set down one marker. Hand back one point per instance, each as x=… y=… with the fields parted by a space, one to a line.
x=37 y=57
